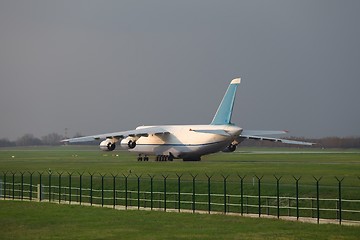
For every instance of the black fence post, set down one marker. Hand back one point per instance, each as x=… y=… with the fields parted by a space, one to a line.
x=138 y=190
x=194 y=192
x=126 y=190
x=242 y=193
x=340 y=203
x=151 y=191
x=209 y=192
x=80 y=186
x=40 y=184
x=22 y=185
x=278 y=194
x=91 y=188
x=102 y=189
x=259 y=193
x=297 y=179
x=225 y=194
x=59 y=193
x=317 y=198
x=31 y=174
x=114 y=190
x=13 y=185
x=49 y=175
x=165 y=177
x=70 y=175
x=179 y=191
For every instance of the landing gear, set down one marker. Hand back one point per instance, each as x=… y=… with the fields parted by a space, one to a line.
x=164 y=158
x=159 y=158
x=140 y=158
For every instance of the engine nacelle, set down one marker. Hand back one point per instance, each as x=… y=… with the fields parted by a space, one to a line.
x=108 y=145
x=128 y=143
x=230 y=148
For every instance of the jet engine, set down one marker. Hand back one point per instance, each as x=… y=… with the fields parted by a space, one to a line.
x=108 y=145
x=128 y=143
x=230 y=148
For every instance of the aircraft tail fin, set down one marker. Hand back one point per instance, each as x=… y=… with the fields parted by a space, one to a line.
x=224 y=111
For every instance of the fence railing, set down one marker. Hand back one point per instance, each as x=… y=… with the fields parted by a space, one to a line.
x=247 y=195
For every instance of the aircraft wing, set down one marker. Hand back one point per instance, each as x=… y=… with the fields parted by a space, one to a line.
x=143 y=132
x=253 y=137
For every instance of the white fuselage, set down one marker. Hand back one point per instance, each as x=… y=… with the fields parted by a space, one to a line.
x=184 y=141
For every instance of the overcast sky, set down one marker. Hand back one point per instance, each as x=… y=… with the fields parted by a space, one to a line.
x=104 y=66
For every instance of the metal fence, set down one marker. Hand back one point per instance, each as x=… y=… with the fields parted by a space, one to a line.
x=244 y=195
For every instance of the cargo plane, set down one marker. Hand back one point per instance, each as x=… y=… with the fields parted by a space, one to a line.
x=187 y=142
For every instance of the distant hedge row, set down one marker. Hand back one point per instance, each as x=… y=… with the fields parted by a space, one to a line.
x=54 y=139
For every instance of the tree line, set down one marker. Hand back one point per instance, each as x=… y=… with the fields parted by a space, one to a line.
x=54 y=139
x=51 y=139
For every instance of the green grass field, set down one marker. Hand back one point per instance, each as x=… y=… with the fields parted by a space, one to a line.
x=249 y=161
x=30 y=220
x=107 y=223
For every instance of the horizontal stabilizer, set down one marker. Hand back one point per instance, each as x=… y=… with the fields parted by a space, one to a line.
x=253 y=137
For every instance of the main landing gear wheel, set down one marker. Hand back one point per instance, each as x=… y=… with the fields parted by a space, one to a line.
x=164 y=158
x=140 y=158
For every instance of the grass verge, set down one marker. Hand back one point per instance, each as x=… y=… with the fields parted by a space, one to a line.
x=31 y=220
